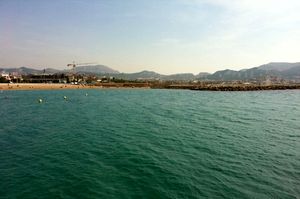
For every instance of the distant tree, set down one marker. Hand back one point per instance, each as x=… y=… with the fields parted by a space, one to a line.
x=3 y=80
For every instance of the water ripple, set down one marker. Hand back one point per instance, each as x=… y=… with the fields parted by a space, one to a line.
x=150 y=144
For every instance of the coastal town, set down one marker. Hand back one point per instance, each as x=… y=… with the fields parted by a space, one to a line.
x=72 y=80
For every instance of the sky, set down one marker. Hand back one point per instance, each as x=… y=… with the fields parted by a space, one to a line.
x=165 y=36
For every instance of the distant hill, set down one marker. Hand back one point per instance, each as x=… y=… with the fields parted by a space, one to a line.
x=229 y=75
x=95 y=69
x=150 y=75
x=102 y=70
x=180 y=76
x=27 y=71
x=279 y=66
x=292 y=73
x=288 y=71
x=51 y=71
x=202 y=75
x=143 y=75
x=21 y=70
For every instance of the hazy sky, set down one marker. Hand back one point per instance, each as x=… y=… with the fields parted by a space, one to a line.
x=167 y=36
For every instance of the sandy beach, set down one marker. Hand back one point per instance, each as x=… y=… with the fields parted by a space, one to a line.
x=215 y=87
x=44 y=86
x=17 y=86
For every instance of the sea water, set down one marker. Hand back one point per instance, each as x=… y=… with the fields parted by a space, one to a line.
x=139 y=143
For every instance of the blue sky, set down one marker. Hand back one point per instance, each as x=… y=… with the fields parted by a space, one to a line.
x=167 y=36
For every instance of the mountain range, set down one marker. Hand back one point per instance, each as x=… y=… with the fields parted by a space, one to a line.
x=283 y=70
x=288 y=71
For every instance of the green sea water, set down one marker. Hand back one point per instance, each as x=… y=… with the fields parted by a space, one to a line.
x=149 y=144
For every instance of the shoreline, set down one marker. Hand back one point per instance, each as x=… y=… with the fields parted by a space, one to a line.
x=215 y=87
x=53 y=86
x=237 y=87
x=38 y=86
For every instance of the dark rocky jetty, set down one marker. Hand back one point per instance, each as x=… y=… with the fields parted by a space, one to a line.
x=234 y=87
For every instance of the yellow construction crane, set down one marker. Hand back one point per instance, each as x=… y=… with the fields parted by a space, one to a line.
x=74 y=65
